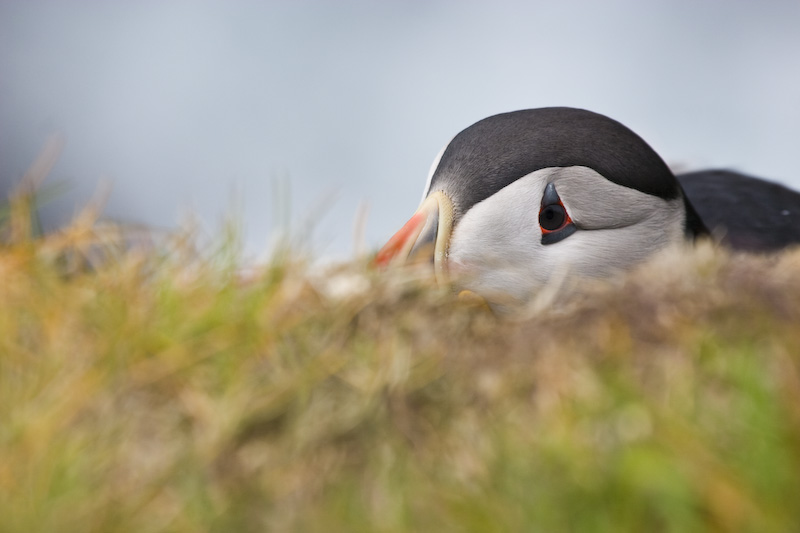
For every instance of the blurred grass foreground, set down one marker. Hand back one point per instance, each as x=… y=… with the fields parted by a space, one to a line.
x=156 y=389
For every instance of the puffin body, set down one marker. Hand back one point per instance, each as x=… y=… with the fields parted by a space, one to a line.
x=523 y=199
x=743 y=212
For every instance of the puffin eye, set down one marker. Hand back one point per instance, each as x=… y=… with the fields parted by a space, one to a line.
x=554 y=220
x=552 y=217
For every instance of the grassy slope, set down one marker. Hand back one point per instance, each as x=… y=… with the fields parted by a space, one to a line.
x=161 y=393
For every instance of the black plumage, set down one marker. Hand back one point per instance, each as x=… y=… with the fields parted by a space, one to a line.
x=744 y=212
x=498 y=150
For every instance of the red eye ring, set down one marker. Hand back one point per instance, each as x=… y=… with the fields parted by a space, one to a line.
x=553 y=217
x=554 y=221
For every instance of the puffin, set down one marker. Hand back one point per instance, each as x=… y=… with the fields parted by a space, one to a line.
x=524 y=199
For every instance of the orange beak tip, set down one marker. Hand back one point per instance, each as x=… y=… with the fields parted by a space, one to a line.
x=399 y=241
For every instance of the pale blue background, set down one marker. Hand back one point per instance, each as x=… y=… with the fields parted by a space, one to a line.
x=216 y=106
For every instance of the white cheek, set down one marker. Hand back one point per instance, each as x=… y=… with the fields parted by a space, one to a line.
x=496 y=248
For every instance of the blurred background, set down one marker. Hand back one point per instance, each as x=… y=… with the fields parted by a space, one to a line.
x=295 y=116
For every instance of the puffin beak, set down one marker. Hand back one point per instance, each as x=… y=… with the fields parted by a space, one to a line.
x=424 y=238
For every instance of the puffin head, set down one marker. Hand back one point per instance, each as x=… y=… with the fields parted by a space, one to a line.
x=522 y=199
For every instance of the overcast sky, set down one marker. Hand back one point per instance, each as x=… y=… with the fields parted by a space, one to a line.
x=301 y=111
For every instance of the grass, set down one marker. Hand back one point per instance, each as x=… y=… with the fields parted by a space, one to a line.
x=158 y=390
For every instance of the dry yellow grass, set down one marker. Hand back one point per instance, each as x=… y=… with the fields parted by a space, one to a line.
x=155 y=390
